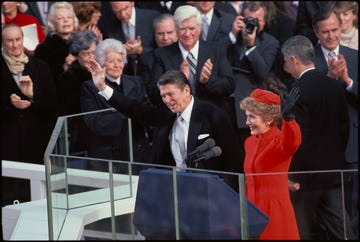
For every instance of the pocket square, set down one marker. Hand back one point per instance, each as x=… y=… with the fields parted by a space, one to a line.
x=202 y=136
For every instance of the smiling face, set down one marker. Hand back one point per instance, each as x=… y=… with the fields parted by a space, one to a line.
x=114 y=64
x=329 y=32
x=12 y=41
x=174 y=97
x=189 y=33
x=256 y=123
x=347 y=19
x=64 y=23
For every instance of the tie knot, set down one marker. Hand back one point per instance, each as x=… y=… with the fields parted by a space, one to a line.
x=204 y=18
x=333 y=55
x=180 y=118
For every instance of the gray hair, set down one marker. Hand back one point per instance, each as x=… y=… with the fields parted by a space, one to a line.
x=299 y=46
x=161 y=18
x=185 y=12
x=51 y=15
x=82 y=40
x=109 y=45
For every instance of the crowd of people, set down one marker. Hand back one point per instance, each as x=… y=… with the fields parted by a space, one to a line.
x=275 y=84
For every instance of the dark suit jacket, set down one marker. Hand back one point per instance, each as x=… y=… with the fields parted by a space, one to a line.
x=221 y=82
x=220 y=26
x=112 y=28
x=26 y=133
x=205 y=119
x=351 y=57
x=322 y=114
x=227 y=7
x=251 y=70
x=109 y=130
x=145 y=64
x=304 y=17
x=155 y=5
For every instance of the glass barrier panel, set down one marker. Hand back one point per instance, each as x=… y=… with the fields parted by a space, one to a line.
x=102 y=170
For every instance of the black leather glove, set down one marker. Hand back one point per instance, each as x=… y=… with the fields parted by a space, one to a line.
x=288 y=103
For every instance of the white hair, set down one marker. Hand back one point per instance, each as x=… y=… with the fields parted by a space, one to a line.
x=185 y=12
x=109 y=45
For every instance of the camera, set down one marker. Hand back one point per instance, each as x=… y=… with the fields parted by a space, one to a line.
x=250 y=24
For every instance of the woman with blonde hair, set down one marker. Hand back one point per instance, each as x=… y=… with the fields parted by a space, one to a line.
x=61 y=23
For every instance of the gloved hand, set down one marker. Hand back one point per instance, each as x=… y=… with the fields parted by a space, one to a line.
x=288 y=103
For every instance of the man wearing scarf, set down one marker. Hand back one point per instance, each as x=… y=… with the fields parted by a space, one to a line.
x=28 y=109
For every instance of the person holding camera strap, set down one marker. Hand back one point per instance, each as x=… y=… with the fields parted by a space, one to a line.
x=251 y=52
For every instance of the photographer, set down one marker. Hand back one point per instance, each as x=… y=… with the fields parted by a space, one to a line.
x=251 y=52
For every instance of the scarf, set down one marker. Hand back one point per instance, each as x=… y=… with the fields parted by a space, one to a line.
x=15 y=64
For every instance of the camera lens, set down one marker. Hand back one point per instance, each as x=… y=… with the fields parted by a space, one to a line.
x=250 y=24
x=249 y=28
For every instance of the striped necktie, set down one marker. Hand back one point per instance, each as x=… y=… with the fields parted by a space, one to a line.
x=192 y=65
x=333 y=55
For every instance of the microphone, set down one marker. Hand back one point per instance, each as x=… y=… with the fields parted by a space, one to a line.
x=209 y=143
x=213 y=152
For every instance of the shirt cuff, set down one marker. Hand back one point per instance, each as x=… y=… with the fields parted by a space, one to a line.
x=247 y=52
x=232 y=38
x=348 y=88
x=107 y=93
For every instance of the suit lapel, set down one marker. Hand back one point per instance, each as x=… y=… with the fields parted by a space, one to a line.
x=127 y=85
x=214 y=25
x=320 y=62
x=202 y=57
x=194 y=127
x=177 y=59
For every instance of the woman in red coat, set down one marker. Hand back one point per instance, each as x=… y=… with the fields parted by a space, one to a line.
x=270 y=150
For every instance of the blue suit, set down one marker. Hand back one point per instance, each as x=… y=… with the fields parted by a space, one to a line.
x=351 y=57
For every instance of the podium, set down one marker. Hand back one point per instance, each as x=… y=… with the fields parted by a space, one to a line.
x=208 y=207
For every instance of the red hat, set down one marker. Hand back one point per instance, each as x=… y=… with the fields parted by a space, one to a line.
x=265 y=96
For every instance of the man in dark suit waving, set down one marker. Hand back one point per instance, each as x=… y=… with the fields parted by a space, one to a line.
x=179 y=110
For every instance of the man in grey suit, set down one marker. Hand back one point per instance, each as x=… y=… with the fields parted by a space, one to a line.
x=340 y=62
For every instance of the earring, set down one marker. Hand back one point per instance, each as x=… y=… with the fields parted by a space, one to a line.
x=267 y=124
